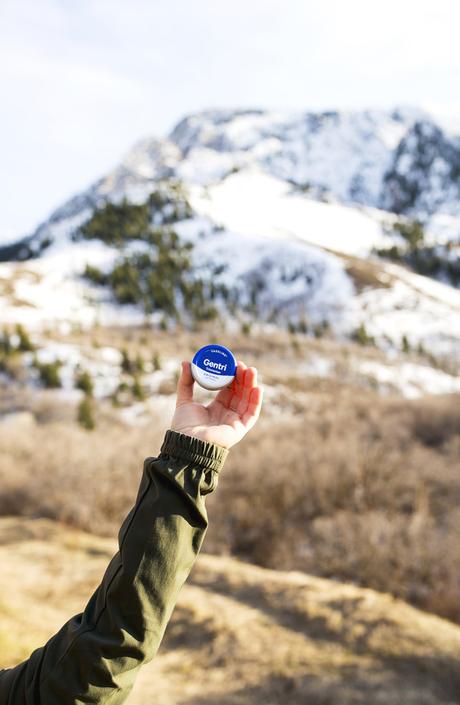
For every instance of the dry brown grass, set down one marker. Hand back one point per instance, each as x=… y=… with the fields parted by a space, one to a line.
x=334 y=480
x=347 y=486
x=58 y=470
x=361 y=489
x=240 y=634
x=366 y=273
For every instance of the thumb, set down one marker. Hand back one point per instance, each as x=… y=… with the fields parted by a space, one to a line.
x=185 y=385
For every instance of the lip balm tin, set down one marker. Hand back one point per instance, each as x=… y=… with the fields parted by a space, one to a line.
x=213 y=367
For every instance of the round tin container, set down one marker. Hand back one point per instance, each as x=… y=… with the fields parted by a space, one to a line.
x=213 y=367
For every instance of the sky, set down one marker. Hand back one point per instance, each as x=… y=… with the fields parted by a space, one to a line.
x=82 y=80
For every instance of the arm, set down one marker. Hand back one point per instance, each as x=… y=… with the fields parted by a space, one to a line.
x=95 y=657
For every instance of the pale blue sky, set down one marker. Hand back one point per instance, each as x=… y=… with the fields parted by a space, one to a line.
x=82 y=80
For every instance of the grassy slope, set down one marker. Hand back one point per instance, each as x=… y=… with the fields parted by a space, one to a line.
x=240 y=634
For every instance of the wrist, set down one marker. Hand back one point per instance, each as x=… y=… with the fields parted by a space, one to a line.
x=203 y=452
x=204 y=434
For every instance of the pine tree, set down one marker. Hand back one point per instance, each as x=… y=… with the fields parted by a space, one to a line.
x=83 y=381
x=405 y=344
x=156 y=361
x=362 y=337
x=126 y=364
x=49 y=373
x=138 y=392
x=85 y=415
x=25 y=343
x=6 y=347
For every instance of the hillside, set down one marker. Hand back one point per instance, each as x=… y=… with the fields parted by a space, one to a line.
x=362 y=479
x=311 y=221
x=240 y=634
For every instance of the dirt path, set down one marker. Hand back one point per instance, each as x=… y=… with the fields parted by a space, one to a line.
x=240 y=634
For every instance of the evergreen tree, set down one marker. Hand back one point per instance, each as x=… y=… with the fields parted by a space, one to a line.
x=85 y=415
x=115 y=224
x=156 y=361
x=49 y=373
x=362 y=337
x=84 y=381
x=160 y=278
x=25 y=344
x=126 y=364
x=138 y=392
x=6 y=347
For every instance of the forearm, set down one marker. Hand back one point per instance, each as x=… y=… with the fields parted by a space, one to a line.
x=96 y=655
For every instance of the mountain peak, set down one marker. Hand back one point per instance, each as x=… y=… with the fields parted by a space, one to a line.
x=276 y=202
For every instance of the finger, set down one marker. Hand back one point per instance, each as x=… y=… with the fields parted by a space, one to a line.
x=239 y=377
x=224 y=396
x=231 y=395
x=254 y=406
x=185 y=385
x=250 y=381
x=238 y=386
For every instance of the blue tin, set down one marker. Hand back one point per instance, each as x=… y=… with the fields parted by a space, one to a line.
x=213 y=367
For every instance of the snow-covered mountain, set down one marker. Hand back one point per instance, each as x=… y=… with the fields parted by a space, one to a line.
x=286 y=210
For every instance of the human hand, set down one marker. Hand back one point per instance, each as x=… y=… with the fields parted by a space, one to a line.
x=228 y=417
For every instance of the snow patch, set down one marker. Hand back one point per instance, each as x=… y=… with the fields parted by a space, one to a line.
x=255 y=203
x=411 y=379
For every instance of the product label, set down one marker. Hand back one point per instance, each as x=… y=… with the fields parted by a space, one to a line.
x=213 y=366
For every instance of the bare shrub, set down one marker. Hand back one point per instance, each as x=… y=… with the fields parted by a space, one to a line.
x=351 y=490
x=60 y=471
x=353 y=486
x=435 y=422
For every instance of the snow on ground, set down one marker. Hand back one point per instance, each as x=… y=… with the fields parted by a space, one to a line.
x=410 y=379
x=241 y=168
x=395 y=374
x=104 y=365
x=50 y=291
x=255 y=203
x=274 y=239
x=347 y=152
x=205 y=166
x=60 y=232
x=425 y=311
x=268 y=220
x=295 y=278
x=140 y=414
x=298 y=279
x=391 y=374
x=436 y=290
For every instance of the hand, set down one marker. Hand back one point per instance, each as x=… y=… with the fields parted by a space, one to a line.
x=228 y=417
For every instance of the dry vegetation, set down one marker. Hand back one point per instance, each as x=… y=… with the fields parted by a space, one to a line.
x=240 y=634
x=356 y=488
x=335 y=481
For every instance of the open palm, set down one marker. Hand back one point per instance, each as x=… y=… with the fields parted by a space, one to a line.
x=228 y=417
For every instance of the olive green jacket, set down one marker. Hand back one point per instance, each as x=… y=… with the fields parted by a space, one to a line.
x=96 y=655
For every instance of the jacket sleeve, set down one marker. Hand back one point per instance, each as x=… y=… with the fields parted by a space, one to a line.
x=96 y=656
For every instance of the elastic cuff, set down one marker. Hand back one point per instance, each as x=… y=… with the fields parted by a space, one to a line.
x=203 y=453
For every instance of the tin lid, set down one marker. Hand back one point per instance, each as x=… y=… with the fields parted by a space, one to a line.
x=213 y=366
